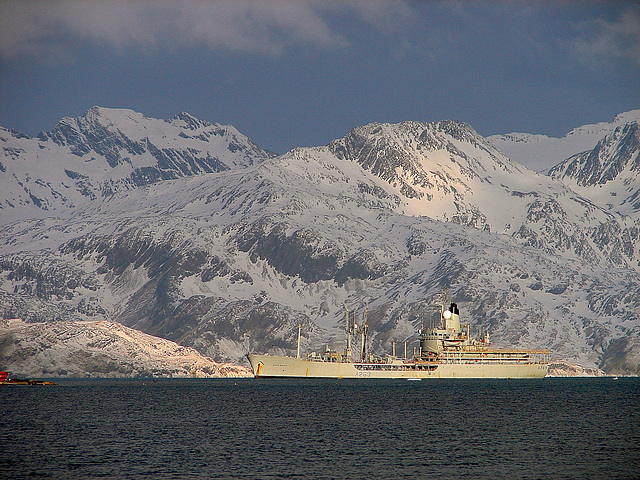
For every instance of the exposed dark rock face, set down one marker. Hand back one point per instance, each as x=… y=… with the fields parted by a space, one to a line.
x=610 y=157
x=304 y=252
x=87 y=135
x=622 y=357
x=612 y=168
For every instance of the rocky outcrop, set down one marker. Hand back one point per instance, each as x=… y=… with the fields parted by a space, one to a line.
x=100 y=349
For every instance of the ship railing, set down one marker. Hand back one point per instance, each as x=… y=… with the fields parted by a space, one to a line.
x=497 y=357
x=396 y=367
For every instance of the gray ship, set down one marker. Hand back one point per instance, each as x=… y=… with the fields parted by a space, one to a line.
x=446 y=351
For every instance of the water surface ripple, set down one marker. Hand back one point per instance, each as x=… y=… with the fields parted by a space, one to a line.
x=554 y=428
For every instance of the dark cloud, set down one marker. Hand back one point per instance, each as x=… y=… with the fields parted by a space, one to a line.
x=262 y=27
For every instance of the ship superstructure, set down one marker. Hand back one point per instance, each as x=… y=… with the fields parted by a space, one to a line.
x=446 y=350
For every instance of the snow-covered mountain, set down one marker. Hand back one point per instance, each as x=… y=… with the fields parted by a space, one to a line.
x=540 y=152
x=100 y=349
x=446 y=171
x=609 y=173
x=110 y=150
x=390 y=215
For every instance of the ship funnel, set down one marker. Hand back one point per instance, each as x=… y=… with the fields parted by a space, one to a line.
x=452 y=318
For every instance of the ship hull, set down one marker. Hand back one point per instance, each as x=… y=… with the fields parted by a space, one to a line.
x=281 y=366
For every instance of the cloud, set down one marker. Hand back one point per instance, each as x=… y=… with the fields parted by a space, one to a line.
x=40 y=28
x=604 y=41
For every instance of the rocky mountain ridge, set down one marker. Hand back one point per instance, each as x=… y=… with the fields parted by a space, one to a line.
x=611 y=169
x=107 y=151
x=390 y=215
x=541 y=152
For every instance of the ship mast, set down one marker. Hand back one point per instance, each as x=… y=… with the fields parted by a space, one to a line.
x=349 y=330
x=442 y=302
x=364 y=329
x=352 y=328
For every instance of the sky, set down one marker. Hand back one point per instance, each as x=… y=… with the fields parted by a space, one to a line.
x=302 y=73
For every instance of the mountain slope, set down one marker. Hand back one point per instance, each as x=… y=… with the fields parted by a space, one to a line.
x=609 y=173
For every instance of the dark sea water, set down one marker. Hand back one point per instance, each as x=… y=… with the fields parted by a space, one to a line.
x=554 y=428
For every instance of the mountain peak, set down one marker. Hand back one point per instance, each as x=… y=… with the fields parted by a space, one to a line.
x=458 y=130
x=186 y=120
x=626 y=117
x=108 y=150
x=110 y=116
